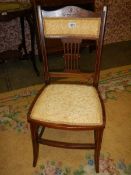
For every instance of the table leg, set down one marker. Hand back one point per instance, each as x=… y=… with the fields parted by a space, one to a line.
x=23 y=44
x=30 y=20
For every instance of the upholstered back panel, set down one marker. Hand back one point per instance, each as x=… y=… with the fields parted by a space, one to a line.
x=87 y=27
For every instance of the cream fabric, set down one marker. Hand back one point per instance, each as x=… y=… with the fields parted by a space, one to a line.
x=89 y=27
x=68 y=104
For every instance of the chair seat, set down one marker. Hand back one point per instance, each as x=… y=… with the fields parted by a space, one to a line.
x=13 y=6
x=68 y=104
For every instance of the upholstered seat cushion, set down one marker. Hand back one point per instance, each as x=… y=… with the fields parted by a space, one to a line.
x=13 y=6
x=68 y=104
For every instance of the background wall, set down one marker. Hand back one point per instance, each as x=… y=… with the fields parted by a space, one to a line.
x=118 y=25
x=118 y=20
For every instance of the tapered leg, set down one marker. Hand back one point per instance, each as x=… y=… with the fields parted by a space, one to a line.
x=98 y=140
x=34 y=134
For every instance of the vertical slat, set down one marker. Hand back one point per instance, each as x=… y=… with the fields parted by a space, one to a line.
x=75 y=63
x=71 y=57
x=65 y=48
x=68 y=56
x=71 y=54
x=78 y=55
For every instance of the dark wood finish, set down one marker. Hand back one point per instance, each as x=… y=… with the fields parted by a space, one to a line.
x=71 y=56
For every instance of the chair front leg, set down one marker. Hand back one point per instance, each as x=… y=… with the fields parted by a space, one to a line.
x=98 y=140
x=34 y=133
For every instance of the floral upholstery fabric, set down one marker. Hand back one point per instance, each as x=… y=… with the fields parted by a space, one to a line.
x=68 y=104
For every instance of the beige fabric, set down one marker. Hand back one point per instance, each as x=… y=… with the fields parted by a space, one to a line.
x=68 y=104
x=89 y=27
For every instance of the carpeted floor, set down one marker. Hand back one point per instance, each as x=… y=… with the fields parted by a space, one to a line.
x=15 y=140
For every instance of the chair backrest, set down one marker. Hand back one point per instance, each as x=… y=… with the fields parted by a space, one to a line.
x=71 y=24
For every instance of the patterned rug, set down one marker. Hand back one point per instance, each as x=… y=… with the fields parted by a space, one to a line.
x=15 y=140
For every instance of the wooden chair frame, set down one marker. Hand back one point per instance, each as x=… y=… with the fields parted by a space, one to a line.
x=35 y=124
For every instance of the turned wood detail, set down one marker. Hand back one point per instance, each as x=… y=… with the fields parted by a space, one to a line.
x=71 y=54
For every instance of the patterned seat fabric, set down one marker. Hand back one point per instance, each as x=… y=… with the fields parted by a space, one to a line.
x=68 y=104
x=13 y=6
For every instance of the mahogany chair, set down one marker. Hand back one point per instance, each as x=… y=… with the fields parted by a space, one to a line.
x=69 y=106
